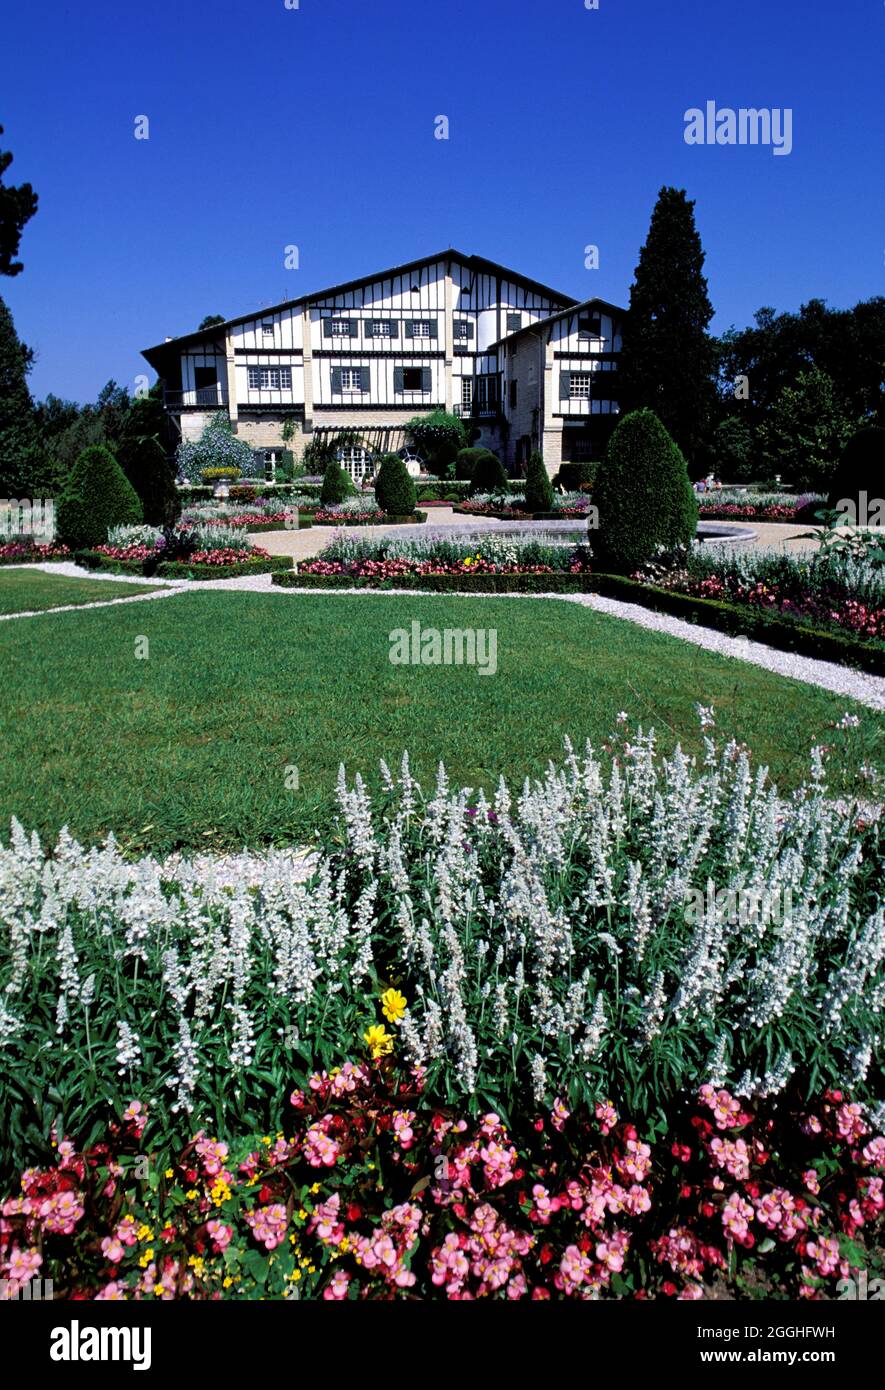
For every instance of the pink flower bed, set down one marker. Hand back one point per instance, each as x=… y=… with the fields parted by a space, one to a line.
x=372 y=1191
x=25 y=551
x=393 y=569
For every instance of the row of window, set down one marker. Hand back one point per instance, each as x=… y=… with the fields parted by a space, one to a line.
x=577 y=386
x=422 y=329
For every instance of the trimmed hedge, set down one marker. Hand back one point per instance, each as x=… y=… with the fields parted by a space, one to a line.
x=336 y=485
x=35 y=559
x=181 y=569
x=558 y=583
x=538 y=487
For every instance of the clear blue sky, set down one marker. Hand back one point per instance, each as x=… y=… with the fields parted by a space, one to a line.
x=314 y=126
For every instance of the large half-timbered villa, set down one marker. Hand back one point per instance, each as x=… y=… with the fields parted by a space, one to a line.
x=525 y=366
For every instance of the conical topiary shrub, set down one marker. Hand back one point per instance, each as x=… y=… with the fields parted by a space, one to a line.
x=96 y=495
x=336 y=485
x=144 y=463
x=644 y=498
x=394 y=489
x=861 y=469
x=538 y=488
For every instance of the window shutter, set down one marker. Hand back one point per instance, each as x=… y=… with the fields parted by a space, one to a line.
x=327 y=327
x=407 y=329
x=398 y=380
x=336 y=379
x=565 y=381
x=394 y=328
x=514 y=323
x=425 y=378
x=433 y=328
x=470 y=328
x=369 y=327
x=354 y=328
x=364 y=378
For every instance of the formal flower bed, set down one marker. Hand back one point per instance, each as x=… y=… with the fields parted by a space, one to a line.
x=736 y=505
x=387 y=559
x=565 y=1205
x=26 y=552
x=826 y=591
x=566 y=506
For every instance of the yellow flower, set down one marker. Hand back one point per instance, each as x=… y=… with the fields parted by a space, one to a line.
x=393 y=1005
x=169 y=1173
x=144 y=1233
x=296 y=1275
x=226 y=1282
x=467 y=560
x=192 y=1195
x=146 y=1258
x=315 y=1187
x=378 y=1041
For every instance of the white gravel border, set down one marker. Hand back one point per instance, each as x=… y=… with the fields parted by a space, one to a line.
x=861 y=686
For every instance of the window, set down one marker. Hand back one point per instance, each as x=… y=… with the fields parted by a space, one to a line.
x=420 y=328
x=267 y=330
x=466 y=395
x=579 y=386
x=513 y=395
x=413 y=379
x=270 y=378
x=339 y=328
x=355 y=461
x=463 y=329
x=514 y=323
x=379 y=328
x=351 y=379
x=589 y=326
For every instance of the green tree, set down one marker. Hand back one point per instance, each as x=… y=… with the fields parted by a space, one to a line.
x=17 y=206
x=18 y=433
x=97 y=495
x=805 y=432
x=437 y=436
x=488 y=473
x=394 y=489
x=643 y=494
x=210 y=321
x=668 y=358
x=538 y=488
x=144 y=462
x=732 y=452
x=217 y=447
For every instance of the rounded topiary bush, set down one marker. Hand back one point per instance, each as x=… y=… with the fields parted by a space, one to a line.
x=336 y=485
x=394 y=489
x=644 y=498
x=538 y=488
x=489 y=474
x=144 y=463
x=465 y=463
x=96 y=495
x=861 y=469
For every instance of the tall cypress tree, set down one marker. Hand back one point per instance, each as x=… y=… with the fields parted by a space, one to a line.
x=668 y=361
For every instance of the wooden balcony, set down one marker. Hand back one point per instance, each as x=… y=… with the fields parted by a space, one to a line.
x=199 y=398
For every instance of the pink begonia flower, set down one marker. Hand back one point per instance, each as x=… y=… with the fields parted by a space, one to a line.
x=337 y=1287
x=319 y=1150
x=874 y=1152
x=112 y=1250
x=112 y=1292
x=220 y=1233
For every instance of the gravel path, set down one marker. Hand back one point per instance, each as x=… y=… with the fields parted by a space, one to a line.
x=866 y=689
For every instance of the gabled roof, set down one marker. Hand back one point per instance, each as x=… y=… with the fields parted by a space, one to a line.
x=573 y=308
x=476 y=263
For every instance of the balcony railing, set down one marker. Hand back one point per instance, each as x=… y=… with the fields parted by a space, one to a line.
x=482 y=410
x=201 y=396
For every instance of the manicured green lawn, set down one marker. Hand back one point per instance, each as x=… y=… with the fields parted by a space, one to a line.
x=33 y=591
x=191 y=745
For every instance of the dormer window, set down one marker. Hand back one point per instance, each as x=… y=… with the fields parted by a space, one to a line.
x=267 y=330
